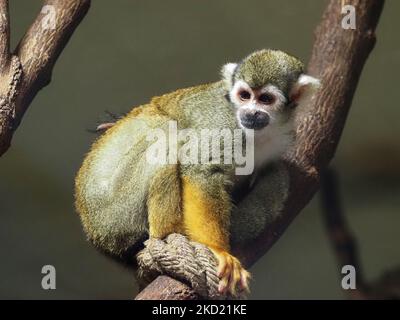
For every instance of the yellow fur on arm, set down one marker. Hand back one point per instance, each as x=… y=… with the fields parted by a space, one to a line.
x=205 y=216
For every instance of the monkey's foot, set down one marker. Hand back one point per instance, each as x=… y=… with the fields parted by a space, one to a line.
x=231 y=273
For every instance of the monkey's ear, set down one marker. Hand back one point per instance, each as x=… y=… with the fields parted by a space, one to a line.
x=227 y=72
x=304 y=89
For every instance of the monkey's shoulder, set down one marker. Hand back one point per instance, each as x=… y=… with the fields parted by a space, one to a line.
x=191 y=93
x=200 y=106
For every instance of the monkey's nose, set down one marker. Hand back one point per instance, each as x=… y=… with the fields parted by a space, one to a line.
x=254 y=119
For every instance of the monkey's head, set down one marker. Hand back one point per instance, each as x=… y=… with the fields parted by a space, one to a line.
x=265 y=86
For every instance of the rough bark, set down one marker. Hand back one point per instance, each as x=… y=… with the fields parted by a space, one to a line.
x=337 y=59
x=28 y=69
x=165 y=288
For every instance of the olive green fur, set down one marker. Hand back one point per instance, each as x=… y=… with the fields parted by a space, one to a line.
x=261 y=206
x=269 y=67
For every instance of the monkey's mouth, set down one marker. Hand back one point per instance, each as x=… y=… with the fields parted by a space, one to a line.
x=255 y=120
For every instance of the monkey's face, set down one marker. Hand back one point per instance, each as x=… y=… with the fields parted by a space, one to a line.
x=263 y=85
x=258 y=108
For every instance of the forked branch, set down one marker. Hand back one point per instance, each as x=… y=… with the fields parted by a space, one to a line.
x=28 y=69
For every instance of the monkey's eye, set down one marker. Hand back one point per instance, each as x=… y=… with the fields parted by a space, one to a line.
x=266 y=98
x=244 y=95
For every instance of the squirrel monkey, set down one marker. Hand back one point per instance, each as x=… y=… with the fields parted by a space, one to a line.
x=122 y=199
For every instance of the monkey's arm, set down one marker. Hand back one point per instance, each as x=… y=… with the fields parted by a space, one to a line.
x=206 y=215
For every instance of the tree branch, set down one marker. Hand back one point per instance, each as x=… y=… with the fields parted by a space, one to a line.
x=166 y=288
x=337 y=59
x=342 y=240
x=29 y=69
x=4 y=34
x=344 y=245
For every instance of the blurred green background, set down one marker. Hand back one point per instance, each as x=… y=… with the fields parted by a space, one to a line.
x=125 y=52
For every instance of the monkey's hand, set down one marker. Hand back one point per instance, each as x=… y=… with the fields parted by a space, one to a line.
x=231 y=273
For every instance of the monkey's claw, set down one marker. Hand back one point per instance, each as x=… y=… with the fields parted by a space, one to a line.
x=233 y=276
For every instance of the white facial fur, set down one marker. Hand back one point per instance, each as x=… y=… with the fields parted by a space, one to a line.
x=273 y=109
x=272 y=140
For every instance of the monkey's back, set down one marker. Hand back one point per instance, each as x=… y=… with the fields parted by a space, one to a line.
x=111 y=186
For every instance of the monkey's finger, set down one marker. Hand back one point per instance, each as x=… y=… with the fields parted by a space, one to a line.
x=225 y=277
x=244 y=280
x=222 y=267
x=235 y=279
x=223 y=285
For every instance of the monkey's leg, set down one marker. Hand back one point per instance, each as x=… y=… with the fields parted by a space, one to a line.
x=164 y=202
x=206 y=213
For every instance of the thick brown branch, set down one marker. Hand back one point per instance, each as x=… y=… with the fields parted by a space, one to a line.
x=29 y=69
x=337 y=59
x=166 y=288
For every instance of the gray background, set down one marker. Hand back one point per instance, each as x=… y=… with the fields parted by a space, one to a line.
x=124 y=53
